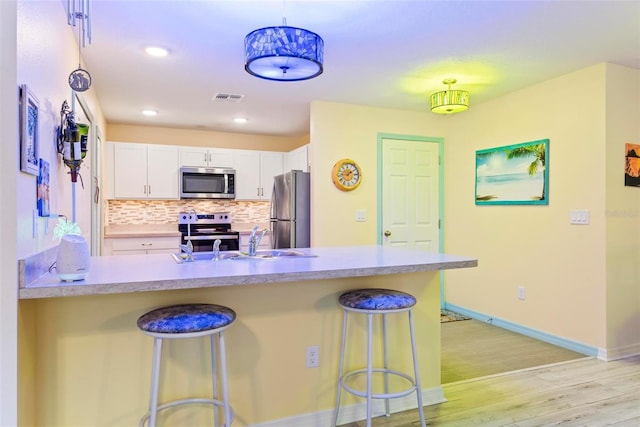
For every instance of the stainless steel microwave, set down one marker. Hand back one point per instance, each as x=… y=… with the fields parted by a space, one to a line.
x=207 y=183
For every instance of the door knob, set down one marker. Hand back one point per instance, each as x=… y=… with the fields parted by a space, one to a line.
x=387 y=233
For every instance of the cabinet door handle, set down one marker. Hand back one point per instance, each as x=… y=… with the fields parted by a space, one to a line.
x=144 y=189
x=258 y=191
x=149 y=190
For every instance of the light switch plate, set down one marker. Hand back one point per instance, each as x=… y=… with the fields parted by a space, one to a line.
x=361 y=215
x=579 y=217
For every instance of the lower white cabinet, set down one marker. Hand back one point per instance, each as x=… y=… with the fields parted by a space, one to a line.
x=141 y=245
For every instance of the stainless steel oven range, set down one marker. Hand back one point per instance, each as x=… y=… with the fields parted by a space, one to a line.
x=205 y=229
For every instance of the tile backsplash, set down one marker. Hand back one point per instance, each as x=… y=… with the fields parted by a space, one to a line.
x=166 y=211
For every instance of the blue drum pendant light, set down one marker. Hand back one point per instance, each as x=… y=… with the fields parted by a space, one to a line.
x=283 y=53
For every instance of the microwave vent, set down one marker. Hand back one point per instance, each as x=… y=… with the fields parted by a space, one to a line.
x=228 y=97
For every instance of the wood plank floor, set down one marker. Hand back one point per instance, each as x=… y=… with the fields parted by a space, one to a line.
x=582 y=391
x=473 y=349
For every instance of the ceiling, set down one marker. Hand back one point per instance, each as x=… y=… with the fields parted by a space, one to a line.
x=390 y=54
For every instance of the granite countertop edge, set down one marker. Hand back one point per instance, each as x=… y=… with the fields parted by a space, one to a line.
x=139 y=273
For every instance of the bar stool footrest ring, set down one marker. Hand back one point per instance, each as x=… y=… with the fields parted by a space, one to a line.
x=193 y=400
x=359 y=393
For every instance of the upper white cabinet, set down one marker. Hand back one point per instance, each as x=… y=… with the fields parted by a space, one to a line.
x=207 y=157
x=254 y=173
x=297 y=159
x=145 y=171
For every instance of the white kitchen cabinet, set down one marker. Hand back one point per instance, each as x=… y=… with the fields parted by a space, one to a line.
x=207 y=157
x=297 y=159
x=141 y=245
x=254 y=173
x=145 y=171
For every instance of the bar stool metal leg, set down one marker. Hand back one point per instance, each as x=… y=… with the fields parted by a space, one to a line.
x=155 y=378
x=416 y=373
x=340 y=367
x=214 y=377
x=369 y=368
x=225 y=386
x=385 y=364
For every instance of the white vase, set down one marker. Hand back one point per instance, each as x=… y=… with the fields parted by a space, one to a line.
x=73 y=260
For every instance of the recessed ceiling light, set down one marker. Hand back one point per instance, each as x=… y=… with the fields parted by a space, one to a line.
x=240 y=120
x=156 y=51
x=149 y=113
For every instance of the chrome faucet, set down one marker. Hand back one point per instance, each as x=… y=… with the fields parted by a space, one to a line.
x=255 y=239
x=216 y=250
x=188 y=250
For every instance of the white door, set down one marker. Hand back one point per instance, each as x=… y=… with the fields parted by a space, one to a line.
x=410 y=194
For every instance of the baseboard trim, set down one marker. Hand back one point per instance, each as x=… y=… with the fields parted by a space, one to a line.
x=529 y=332
x=356 y=412
x=617 y=353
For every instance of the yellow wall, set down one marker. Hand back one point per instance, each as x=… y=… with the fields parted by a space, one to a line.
x=201 y=138
x=580 y=281
x=47 y=53
x=563 y=267
x=93 y=365
x=622 y=213
x=351 y=131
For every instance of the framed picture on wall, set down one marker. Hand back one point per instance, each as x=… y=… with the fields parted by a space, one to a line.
x=513 y=174
x=632 y=165
x=29 y=118
x=43 y=189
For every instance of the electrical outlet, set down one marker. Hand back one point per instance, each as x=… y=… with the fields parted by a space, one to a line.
x=313 y=356
x=521 y=293
x=361 y=215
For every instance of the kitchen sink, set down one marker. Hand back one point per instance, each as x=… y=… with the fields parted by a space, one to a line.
x=261 y=254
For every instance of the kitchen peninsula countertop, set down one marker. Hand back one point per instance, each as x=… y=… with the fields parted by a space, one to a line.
x=138 y=273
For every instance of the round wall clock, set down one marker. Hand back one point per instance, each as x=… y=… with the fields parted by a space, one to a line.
x=346 y=175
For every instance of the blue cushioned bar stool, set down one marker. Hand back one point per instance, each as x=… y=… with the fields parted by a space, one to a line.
x=189 y=321
x=377 y=302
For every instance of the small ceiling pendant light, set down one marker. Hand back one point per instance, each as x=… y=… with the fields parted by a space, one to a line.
x=79 y=12
x=449 y=101
x=156 y=51
x=283 y=53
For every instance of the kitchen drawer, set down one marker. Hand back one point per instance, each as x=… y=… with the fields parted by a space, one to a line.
x=141 y=245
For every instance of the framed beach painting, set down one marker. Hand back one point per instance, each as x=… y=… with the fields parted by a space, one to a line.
x=29 y=118
x=513 y=175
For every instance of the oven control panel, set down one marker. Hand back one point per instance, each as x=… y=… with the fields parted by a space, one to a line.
x=209 y=218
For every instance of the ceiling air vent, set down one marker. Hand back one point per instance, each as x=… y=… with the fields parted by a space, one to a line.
x=229 y=97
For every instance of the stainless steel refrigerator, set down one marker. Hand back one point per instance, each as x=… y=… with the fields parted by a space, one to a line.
x=290 y=210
